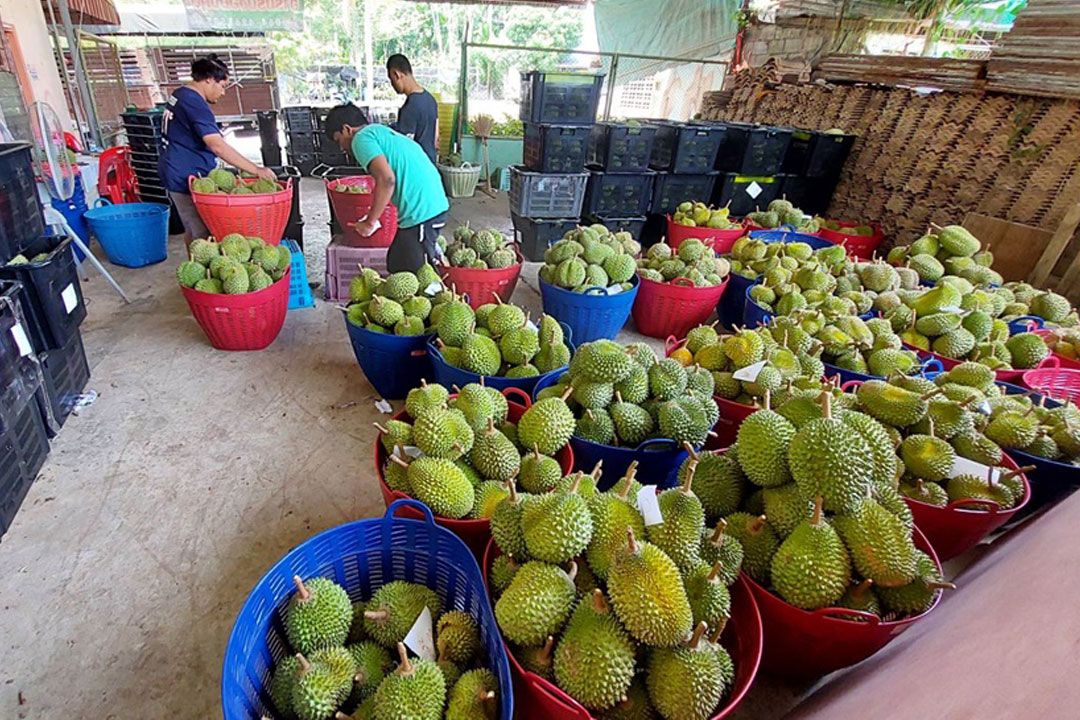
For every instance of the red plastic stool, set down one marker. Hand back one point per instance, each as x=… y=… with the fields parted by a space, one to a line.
x=116 y=179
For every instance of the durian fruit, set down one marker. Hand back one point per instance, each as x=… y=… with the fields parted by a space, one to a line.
x=595 y=658
x=719 y=482
x=474 y=697
x=440 y=484
x=710 y=600
x=457 y=637
x=679 y=535
x=687 y=681
x=322 y=683
x=763 y=440
x=719 y=549
x=547 y=425
x=416 y=689
x=536 y=604
x=393 y=609
x=828 y=458
x=612 y=513
x=879 y=543
x=506 y=527
x=917 y=596
x=811 y=568
x=282 y=681
x=318 y=615
x=647 y=593
x=758 y=541
x=557 y=526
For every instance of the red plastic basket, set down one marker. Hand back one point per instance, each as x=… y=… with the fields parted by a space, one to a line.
x=475 y=533
x=673 y=308
x=719 y=240
x=481 y=286
x=861 y=246
x=1057 y=383
x=538 y=699
x=250 y=321
x=264 y=216
x=1062 y=360
x=1013 y=377
x=806 y=644
x=351 y=207
x=960 y=525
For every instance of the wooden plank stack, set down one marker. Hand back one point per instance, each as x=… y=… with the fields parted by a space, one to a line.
x=908 y=71
x=1041 y=54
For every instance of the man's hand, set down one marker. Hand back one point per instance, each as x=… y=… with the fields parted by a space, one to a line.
x=367 y=226
x=266 y=174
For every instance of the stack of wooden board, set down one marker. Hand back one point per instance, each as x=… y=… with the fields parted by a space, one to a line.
x=1041 y=54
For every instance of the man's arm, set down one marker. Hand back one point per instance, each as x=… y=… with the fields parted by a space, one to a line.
x=226 y=152
x=385 y=180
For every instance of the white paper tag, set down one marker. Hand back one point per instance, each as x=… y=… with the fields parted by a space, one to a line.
x=753 y=189
x=409 y=450
x=532 y=326
x=649 y=506
x=963 y=466
x=71 y=300
x=614 y=290
x=434 y=288
x=21 y=341
x=384 y=407
x=421 y=637
x=950 y=309
x=750 y=372
x=983 y=407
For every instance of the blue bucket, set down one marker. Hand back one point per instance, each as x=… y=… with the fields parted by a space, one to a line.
x=360 y=556
x=658 y=459
x=790 y=236
x=393 y=364
x=731 y=308
x=132 y=234
x=592 y=314
x=447 y=375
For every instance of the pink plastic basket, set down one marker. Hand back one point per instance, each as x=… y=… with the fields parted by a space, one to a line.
x=1057 y=383
x=674 y=308
x=350 y=207
x=861 y=246
x=719 y=240
x=264 y=216
x=250 y=321
x=343 y=264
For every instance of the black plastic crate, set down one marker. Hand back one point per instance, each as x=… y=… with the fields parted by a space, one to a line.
x=304 y=162
x=811 y=195
x=24 y=446
x=757 y=150
x=618 y=194
x=294 y=229
x=18 y=365
x=150 y=145
x=670 y=189
x=298 y=119
x=51 y=294
x=558 y=97
x=827 y=154
x=632 y=225
x=798 y=152
x=555 y=148
x=21 y=218
x=744 y=194
x=152 y=118
x=302 y=143
x=334 y=158
x=621 y=147
x=538 y=235
x=685 y=148
x=66 y=373
x=654 y=230
x=144 y=133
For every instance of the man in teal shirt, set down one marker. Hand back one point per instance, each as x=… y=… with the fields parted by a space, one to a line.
x=403 y=175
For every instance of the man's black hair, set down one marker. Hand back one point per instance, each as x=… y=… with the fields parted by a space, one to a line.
x=209 y=68
x=338 y=117
x=400 y=63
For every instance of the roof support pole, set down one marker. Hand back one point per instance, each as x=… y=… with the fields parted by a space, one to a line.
x=81 y=80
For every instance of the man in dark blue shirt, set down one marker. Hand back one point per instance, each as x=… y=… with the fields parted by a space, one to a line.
x=193 y=142
x=419 y=116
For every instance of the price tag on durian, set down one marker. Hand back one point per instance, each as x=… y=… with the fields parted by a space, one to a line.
x=750 y=372
x=614 y=290
x=983 y=407
x=21 y=341
x=753 y=189
x=951 y=309
x=963 y=466
x=532 y=326
x=434 y=288
x=384 y=407
x=409 y=451
x=421 y=637
x=71 y=300
x=649 y=506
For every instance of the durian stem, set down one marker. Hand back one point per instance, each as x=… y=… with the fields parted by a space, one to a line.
x=721 y=526
x=398 y=460
x=572 y=572
x=567 y=392
x=862 y=588
x=491 y=425
x=575 y=483
x=406 y=667
x=303 y=661
x=930 y=423
x=301 y=589
x=485 y=696
x=549 y=647
x=768 y=399
x=630 y=541
x=940 y=585
x=381 y=429
x=715 y=638
x=618 y=396
x=511 y=486
x=376 y=615
x=929 y=394
x=600 y=603
x=1017 y=471
x=689 y=450
x=815 y=519
x=826 y=404
x=756 y=525
x=690 y=469
x=597 y=470
x=715 y=572
x=700 y=630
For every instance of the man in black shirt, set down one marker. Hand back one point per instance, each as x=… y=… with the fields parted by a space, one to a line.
x=420 y=113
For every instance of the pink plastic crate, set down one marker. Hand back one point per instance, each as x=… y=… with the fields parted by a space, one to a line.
x=343 y=264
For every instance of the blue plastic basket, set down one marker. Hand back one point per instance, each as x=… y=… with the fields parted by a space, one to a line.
x=929 y=369
x=658 y=460
x=731 y=307
x=133 y=234
x=447 y=375
x=592 y=314
x=790 y=236
x=360 y=556
x=1026 y=323
x=300 y=295
x=393 y=364
x=754 y=313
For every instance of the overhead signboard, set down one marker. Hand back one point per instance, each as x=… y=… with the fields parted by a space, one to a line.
x=245 y=15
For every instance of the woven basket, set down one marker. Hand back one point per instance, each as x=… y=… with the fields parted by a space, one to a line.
x=460 y=182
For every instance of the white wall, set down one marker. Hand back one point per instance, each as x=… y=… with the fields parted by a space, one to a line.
x=28 y=19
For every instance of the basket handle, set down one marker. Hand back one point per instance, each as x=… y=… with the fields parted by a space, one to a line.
x=1051 y=362
x=931 y=365
x=568 y=712
x=974 y=504
x=599 y=290
x=683 y=282
x=1031 y=322
x=672 y=344
x=837 y=613
x=850 y=384
x=518 y=395
x=101 y=202
x=660 y=443
x=409 y=502
x=568 y=335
